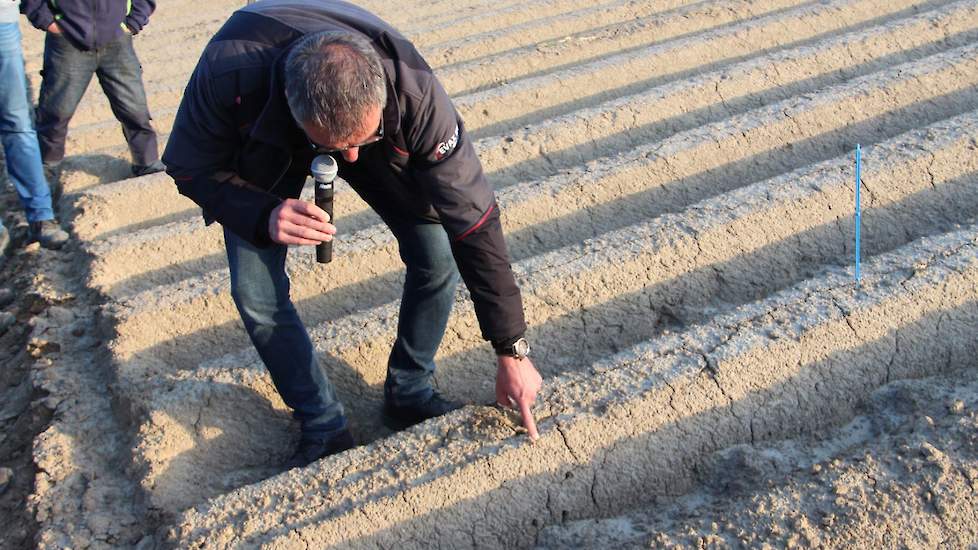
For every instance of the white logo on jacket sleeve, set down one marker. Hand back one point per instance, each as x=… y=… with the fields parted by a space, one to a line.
x=446 y=147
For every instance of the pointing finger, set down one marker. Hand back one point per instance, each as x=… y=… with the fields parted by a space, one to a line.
x=528 y=422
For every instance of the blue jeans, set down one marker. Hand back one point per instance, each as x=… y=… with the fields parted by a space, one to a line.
x=17 y=130
x=426 y=302
x=67 y=72
x=260 y=289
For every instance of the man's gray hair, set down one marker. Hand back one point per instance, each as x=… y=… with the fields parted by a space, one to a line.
x=332 y=79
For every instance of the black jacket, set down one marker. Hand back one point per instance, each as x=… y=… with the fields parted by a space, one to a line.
x=90 y=24
x=234 y=119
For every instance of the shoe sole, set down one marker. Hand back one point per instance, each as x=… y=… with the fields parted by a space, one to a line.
x=397 y=424
x=289 y=466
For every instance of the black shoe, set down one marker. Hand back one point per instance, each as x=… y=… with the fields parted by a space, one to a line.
x=311 y=450
x=48 y=233
x=138 y=170
x=400 y=417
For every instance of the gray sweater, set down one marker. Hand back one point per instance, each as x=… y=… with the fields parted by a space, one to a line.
x=9 y=11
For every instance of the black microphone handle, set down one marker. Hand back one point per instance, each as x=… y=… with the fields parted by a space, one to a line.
x=324 y=200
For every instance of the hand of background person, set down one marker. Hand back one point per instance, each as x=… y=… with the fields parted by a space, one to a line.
x=517 y=385
x=299 y=222
x=54 y=28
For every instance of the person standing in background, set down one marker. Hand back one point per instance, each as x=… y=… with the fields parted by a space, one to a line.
x=86 y=38
x=20 y=146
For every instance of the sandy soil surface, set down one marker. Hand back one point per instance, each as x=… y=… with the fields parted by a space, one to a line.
x=22 y=416
x=901 y=474
x=60 y=440
x=676 y=184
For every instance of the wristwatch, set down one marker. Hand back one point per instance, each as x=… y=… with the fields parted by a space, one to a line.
x=518 y=348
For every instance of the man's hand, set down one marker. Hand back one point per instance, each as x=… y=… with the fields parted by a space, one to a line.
x=517 y=384
x=299 y=222
x=53 y=28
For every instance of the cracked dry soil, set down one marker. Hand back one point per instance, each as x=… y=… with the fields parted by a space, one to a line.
x=63 y=452
x=901 y=474
x=23 y=411
x=19 y=422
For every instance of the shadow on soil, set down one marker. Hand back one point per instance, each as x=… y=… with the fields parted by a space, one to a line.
x=731 y=106
x=571 y=342
x=542 y=115
x=666 y=460
x=566 y=345
x=627 y=210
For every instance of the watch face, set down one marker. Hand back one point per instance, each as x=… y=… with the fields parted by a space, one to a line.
x=521 y=347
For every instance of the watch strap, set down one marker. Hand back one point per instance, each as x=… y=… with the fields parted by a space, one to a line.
x=502 y=347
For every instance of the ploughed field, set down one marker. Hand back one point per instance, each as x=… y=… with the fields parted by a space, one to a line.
x=677 y=186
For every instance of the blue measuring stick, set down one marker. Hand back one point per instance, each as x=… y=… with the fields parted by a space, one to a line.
x=858 y=207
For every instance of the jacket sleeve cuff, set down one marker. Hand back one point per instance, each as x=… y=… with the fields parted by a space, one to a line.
x=133 y=25
x=262 y=238
x=42 y=19
x=500 y=345
x=241 y=210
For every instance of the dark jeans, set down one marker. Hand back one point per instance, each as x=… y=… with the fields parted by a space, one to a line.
x=260 y=288
x=66 y=74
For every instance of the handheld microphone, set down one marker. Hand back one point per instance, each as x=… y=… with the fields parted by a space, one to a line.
x=324 y=172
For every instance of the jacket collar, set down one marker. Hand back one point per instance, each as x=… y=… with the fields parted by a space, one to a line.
x=275 y=124
x=392 y=111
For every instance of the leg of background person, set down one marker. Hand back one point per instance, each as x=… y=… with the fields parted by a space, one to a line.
x=260 y=289
x=121 y=77
x=66 y=73
x=17 y=131
x=426 y=303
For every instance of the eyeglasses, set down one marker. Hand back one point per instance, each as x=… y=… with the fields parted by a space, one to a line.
x=370 y=141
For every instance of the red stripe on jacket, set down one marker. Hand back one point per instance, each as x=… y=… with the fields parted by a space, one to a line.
x=477 y=225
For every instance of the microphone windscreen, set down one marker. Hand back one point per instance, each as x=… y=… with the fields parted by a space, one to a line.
x=324 y=168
